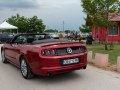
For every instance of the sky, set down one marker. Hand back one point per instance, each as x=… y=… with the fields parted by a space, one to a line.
x=52 y=12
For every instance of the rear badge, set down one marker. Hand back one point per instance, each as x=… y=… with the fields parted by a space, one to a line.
x=69 y=50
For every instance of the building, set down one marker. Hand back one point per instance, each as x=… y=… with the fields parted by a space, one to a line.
x=113 y=32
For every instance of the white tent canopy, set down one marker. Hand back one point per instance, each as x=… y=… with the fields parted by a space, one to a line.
x=5 y=26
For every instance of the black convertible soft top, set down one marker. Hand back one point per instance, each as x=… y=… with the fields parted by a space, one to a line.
x=49 y=41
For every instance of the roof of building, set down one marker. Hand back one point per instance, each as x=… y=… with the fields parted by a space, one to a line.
x=115 y=17
x=112 y=17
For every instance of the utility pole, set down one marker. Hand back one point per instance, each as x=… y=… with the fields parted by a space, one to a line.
x=63 y=25
x=47 y=27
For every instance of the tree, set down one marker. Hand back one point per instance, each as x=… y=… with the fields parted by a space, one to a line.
x=19 y=21
x=51 y=30
x=67 y=31
x=98 y=12
x=27 y=25
x=85 y=29
x=35 y=25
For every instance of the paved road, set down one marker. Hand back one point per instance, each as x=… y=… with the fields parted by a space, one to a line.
x=90 y=79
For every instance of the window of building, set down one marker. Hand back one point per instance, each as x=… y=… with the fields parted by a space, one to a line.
x=113 y=30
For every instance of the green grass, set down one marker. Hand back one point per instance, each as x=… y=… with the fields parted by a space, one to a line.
x=113 y=54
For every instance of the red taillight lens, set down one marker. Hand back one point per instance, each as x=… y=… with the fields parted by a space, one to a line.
x=53 y=52
x=43 y=52
x=48 y=52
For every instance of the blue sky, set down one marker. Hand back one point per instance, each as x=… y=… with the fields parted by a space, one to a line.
x=53 y=12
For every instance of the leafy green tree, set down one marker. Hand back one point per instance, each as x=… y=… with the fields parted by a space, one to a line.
x=67 y=31
x=85 y=29
x=51 y=30
x=19 y=21
x=35 y=25
x=98 y=12
x=27 y=25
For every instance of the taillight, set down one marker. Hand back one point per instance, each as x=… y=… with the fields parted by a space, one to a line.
x=48 y=52
x=82 y=49
x=43 y=52
x=53 y=51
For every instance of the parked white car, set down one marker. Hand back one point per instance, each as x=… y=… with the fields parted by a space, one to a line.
x=54 y=36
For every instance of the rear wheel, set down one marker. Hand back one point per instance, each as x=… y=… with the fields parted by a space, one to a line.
x=25 y=69
x=84 y=67
x=4 y=60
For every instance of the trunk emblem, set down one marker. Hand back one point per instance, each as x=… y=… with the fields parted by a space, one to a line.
x=69 y=50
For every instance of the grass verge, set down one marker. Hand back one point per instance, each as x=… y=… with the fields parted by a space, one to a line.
x=113 y=54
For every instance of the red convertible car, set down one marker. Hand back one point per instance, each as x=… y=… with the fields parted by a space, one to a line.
x=37 y=54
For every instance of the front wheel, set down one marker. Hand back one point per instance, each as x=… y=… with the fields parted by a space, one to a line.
x=25 y=69
x=4 y=60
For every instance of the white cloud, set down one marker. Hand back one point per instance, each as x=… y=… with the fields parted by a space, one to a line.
x=57 y=3
x=18 y=4
x=53 y=12
x=37 y=3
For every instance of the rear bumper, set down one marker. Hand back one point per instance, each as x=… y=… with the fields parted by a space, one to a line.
x=44 y=71
x=45 y=65
x=57 y=70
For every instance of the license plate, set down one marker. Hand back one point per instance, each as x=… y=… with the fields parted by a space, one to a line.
x=70 y=61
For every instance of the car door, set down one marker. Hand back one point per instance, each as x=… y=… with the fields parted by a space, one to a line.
x=8 y=52
x=13 y=50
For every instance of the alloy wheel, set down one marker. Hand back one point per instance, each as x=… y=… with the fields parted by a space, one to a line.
x=24 y=67
x=3 y=56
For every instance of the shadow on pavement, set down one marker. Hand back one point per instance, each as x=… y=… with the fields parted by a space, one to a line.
x=65 y=77
x=57 y=79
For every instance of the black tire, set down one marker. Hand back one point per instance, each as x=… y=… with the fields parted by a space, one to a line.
x=84 y=67
x=4 y=60
x=28 y=73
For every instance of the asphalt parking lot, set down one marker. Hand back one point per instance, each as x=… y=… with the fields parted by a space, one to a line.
x=90 y=79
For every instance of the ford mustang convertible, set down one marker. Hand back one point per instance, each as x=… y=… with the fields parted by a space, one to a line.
x=37 y=54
